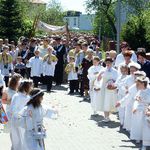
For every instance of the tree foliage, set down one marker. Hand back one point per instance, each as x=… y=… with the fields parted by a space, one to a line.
x=105 y=16
x=11 y=20
x=136 y=31
x=53 y=14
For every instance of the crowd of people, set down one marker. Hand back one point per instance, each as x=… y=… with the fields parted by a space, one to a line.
x=114 y=83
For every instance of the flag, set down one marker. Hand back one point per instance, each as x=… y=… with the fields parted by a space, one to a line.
x=50 y=28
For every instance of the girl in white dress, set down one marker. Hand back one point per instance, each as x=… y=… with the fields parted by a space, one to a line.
x=108 y=88
x=142 y=100
x=128 y=100
x=94 y=84
x=146 y=129
x=8 y=94
x=31 y=119
x=120 y=83
x=18 y=102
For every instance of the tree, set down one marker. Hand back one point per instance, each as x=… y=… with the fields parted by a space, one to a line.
x=54 y=14
x=10 y=19
x=136 y=31
x=105 y=11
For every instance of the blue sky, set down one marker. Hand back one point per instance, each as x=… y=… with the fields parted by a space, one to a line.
x=77 y=5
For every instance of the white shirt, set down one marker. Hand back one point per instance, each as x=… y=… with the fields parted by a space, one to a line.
x=43 y=51
x=49 y=69
x=36 y=65
x=72 y=76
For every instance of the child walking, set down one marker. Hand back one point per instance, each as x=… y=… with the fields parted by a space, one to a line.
x=31 y=119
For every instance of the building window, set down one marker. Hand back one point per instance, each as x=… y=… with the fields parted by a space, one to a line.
x=75 y=21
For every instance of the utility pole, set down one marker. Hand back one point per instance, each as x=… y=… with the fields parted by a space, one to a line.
x=118 y=25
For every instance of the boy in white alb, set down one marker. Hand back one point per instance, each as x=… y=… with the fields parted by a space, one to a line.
x=72 y=75
x=49 y=63
x=36 y=64
x=95 y=84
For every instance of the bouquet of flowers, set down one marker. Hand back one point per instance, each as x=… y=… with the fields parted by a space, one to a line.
x=110 y=84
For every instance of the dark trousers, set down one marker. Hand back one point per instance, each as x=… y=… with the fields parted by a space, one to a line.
x=35 y=81
x=22 y=72
x=59 y=74
x=73 y=85
x=80 y=84
x=49 y=81
x=42 y=80
x=6 y=79
x=28 y=72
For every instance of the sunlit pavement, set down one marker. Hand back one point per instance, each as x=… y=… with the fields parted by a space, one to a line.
x=75 y=129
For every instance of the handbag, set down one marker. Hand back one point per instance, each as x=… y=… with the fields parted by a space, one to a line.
x=39 y=131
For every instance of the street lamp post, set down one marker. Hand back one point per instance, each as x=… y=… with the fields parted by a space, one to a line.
x=118 y=24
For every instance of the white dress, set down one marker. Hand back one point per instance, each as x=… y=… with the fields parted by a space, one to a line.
x=146 y=131
x=138 y=116
x=120 y=83
x=109 y=97
x=19 y=100
x=92 y=75
x=127 y=102
x=96 y=101
x=29 y=123
x=10 y=94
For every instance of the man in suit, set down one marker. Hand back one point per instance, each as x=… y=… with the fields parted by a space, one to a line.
x=60 y=54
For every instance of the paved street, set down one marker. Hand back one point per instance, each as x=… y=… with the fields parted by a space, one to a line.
x=75 y=129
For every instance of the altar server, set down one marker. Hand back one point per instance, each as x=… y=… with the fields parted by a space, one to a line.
x=6 y=64
x=72 y=75
x=49 y=63
x=36 y=64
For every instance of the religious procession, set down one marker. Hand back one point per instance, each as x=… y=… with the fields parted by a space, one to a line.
x=120 y=83
x=111 y=75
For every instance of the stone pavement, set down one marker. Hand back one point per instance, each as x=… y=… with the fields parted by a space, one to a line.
x=75 y=129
